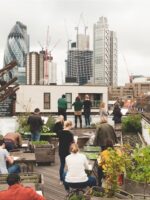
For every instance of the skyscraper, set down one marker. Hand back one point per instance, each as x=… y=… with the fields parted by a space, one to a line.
x=104 y=54
x=36 y=66
x=16 y=49
x=79 y=60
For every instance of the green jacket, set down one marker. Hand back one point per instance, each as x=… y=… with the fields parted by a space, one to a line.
x=62 y=103
x=78 y=105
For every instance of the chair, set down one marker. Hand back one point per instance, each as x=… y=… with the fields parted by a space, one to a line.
x=75 y=189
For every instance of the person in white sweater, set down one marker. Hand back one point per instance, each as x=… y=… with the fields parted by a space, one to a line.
x=76 y=164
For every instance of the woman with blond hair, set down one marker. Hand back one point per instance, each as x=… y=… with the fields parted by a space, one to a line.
x=76 y=164
x=65 y=140
x=102 y=110
x=59 y=124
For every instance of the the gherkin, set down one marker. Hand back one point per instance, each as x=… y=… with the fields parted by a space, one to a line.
x=17 y=48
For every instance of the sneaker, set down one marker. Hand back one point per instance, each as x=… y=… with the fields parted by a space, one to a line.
x=60 y=183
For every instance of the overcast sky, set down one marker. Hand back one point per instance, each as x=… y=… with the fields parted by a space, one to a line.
x=128 y=18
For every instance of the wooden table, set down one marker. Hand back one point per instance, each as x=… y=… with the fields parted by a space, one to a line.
x=26 y=158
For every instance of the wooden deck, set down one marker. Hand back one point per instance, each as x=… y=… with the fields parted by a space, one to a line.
x=52 y=189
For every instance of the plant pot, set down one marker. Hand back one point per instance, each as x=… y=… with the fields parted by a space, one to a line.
x=135 y=187
x=45 y=153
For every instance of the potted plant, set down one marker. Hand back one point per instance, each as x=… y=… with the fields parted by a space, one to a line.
x=44 y=152
x=131 y=126
x=138 y=175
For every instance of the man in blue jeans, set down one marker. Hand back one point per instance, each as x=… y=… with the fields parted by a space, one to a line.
x=6 y=158
x=35 y=122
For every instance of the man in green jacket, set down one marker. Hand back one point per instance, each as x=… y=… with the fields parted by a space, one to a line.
x=62 y=106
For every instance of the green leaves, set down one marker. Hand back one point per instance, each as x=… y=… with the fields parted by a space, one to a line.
x=132 y=123
x=140 y=169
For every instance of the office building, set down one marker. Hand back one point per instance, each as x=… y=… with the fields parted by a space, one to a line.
x=104 y=54
x=79 y=60
x=16 y=49
x=37 y=67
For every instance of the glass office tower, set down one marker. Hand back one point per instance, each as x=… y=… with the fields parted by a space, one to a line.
x=16 y=49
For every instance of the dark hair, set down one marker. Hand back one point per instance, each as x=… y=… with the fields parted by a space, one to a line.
x=63 y=96
x=77 y=98
x=36 y=110
x=13 y=179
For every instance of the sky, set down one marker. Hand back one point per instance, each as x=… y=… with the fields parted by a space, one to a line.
x=128 y=18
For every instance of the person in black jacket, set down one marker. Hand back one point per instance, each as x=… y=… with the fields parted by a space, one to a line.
x=35 y=122
x=87 y=104
x=117 y=114
x=65 y=140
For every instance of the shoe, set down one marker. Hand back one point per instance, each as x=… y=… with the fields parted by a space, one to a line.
x=60 y=183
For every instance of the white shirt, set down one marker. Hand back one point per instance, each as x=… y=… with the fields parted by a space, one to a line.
x=76 y=164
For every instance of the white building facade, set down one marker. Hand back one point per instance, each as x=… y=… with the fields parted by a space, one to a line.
x=45 y=97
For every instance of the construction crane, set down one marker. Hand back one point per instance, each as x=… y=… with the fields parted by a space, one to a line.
x=129 y=75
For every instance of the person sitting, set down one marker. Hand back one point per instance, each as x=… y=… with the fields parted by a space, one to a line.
x=6 y=158
x=12 y=141
x=104 y=131
x=18 y=191
x=59 y=124
x=76 y=164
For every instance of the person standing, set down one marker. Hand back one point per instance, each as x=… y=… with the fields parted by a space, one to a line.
x=62 y=106
x=35 y=122
x=87 y=104
x=78 y=111
x=59 y=124
x=65 y=140
x=104 y=132
x=17 y=191
x=102 y=110
x=117 y=114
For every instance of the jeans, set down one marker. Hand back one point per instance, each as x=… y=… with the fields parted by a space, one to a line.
x=62 y=111
x=80 y=119
x=35 y=136
x=62 y=166
x=14 y=169
x=100 y=175
x=90 y=182
x=9 y=145
x=87 y=119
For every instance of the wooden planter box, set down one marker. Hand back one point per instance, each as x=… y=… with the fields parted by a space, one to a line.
x=44 y=153
x=135 y=187
x=82 y=140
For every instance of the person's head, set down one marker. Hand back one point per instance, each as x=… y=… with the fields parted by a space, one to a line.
x=60 y=119
x=74 y=148
x=67 y=124
x=13 y=179
x=86 y=97
x=63 y=96
x=36 y=110
x=103 y=119
x=77 y=98
x=102 y=105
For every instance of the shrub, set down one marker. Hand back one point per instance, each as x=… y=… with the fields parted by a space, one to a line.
x=50 y=123
x=132 y=123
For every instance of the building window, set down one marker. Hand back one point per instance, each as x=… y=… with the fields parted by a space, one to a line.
x=46 y=100
x=69 y=100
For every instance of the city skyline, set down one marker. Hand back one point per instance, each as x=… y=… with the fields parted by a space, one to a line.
x=126 y=17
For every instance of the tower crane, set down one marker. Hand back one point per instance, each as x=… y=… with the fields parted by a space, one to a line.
x=129 y=75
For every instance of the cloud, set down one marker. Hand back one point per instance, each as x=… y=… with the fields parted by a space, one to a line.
x=129 y=18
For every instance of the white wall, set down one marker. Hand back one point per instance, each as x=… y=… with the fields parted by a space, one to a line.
x=31 y=96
